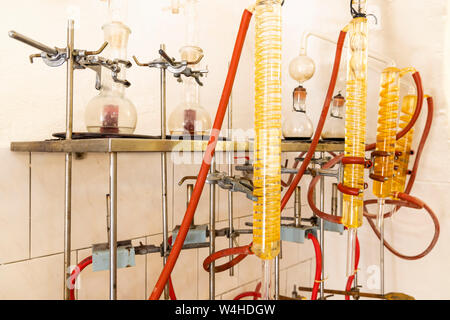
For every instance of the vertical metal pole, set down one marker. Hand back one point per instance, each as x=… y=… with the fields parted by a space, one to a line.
x=68 y=159
x=334 y=200
x=277 y=277
x=298 y=206
x=189 y=190
x=113 y=226
x=230 y=173
x=322 y=230
x=164 y=171
x=212 y=233
x=381 y=203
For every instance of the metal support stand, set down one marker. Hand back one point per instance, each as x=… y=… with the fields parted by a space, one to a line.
x=113 y=226
x=277 y=277
x=212 y=233
x=381 y=203
x=68 y=159
x=230 y=173
x=164 y=171
x=322 y=230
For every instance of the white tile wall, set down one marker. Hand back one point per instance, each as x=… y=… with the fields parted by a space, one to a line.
x=14 y=199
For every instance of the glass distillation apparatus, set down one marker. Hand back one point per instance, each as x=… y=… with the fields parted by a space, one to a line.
x=110 y=112
x=189 y=117
x=267 y=147
x=334 y=128
x=298 y=125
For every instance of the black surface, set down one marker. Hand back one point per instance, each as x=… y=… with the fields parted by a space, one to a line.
x=334 y=139
x=298 y=139
x=94 y=135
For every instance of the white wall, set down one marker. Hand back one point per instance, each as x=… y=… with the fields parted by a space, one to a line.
x=31 y=191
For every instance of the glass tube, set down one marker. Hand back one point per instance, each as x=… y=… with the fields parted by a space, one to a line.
x=355 y=129
x=386 y=131
x=403 y=146
x=267 y=146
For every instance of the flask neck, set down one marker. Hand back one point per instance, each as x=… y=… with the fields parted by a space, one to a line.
x=336 y=112
x=191 y=93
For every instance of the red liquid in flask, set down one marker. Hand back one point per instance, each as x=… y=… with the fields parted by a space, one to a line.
x=189 y=121
x=110 y=122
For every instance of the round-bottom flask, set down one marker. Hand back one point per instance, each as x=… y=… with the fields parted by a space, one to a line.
x=298 y=125
x=111 y=111
x=189 y=118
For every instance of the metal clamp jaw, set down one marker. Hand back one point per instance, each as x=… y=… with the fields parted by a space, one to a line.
x=234 y=184
x=178 y=68
x=55 y=57
x=87 y=59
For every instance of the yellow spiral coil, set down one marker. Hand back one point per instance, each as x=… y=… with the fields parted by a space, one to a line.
x=355 y=120
x=403 y=146
x=267 y=146
x=386 y=131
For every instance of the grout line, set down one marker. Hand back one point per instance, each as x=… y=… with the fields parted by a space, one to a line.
x=35 y=258
x=62 y=252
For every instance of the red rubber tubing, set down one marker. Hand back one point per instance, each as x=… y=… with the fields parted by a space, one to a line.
x=239 y=252
x=255 y=294
x=206 y=164
x=172 y=294
x=348 y=190
x=352 y=277
x=420 y=96
x=423 y=139
x=423 y=253
x=320 y=125
x=73 y=276
x=353 y=160
x=318 y=266
x=319 y=213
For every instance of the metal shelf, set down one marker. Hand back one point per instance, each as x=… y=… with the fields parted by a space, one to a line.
x=158 y=145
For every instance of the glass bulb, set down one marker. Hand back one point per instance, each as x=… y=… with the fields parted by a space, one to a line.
x=302 y=68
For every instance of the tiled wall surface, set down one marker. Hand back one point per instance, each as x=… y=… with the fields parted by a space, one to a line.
x=31 y=259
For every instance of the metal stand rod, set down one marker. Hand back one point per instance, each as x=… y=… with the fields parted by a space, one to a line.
x=334 y=200
x=230 y=173
x=189 y=190
x=277 y=277
x=381 y=203
x=164 y=172
x=322 y=231
x=113 y=226
x=68 y=159
x=212 y=233
x=298 y=207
